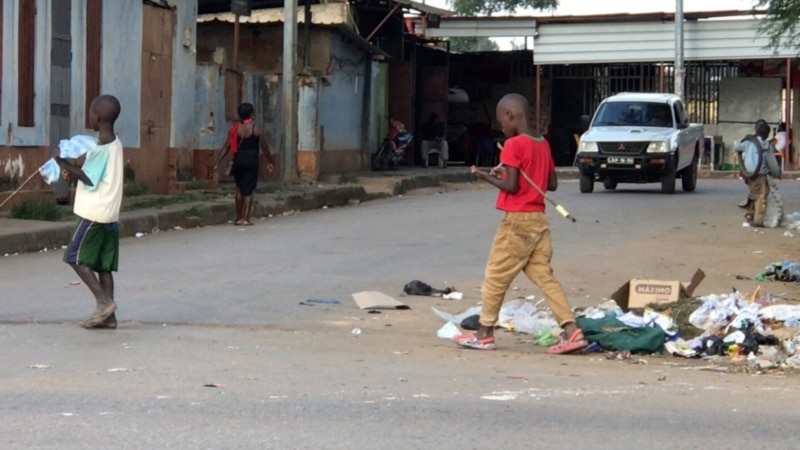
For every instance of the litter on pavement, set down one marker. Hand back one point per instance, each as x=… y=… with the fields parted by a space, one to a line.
x=377 y=300
x=757 y=329
x=420 y=288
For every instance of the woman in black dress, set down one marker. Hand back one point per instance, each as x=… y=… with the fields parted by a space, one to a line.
x=244 y=141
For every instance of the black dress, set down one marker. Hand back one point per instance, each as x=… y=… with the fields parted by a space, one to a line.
x=245 y=165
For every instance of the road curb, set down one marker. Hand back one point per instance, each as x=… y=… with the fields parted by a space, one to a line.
x=217 y=212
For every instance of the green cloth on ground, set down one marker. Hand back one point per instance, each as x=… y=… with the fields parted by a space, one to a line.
x=614 y=335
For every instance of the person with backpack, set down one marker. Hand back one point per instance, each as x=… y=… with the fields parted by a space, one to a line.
x=757 y=162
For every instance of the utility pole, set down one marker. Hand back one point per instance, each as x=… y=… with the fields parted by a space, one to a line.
x=289 y=90
x=678 y=71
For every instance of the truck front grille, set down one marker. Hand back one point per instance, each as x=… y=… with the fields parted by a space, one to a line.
x=628 y=148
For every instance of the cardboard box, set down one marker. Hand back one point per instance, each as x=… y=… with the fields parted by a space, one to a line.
x=377 y=300
x=638 y=293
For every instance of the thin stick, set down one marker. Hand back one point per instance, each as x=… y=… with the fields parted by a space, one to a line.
x=561 y=210
x=18 y=189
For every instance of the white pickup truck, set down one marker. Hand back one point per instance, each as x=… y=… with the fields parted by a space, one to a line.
x=640 y=138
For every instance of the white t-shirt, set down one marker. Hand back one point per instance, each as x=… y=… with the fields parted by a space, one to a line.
x=101 y=202
x=780 y=141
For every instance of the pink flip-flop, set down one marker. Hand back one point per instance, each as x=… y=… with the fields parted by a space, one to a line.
x=471 y=341
x=574 y=343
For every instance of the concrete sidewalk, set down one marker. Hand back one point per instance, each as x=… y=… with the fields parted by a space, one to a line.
x=25 y=236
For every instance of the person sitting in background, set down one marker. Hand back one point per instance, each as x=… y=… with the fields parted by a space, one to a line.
x=781 y=142
x=434 y=137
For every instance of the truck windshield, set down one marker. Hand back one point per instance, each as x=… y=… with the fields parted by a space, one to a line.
x=640 y=114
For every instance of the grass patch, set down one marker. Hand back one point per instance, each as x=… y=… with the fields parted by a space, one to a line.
x=134 y=189
x=160 y=202
x=348 y=178
x=194 y=211
x=195 y=185
x=37 y=210
x=269 y=188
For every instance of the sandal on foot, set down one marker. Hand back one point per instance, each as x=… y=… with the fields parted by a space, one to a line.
x=99 y=318
x=471 y=341
x=574 y=343
x=109 y=324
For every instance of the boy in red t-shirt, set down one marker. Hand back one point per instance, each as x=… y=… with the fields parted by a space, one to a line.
x=522 y=242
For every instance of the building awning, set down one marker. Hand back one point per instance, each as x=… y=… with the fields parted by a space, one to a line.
x=423 y=8
x=335 y=16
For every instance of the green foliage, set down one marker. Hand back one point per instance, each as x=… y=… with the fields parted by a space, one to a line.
x=489 y=7
x=134 y=189
x=472 y=44
x=269 y=188
x=37 y=210
x=348 y=178
x=193 y=212
x=195 y=185
x=780 y=23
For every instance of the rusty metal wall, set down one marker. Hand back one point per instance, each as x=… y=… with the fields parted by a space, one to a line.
x=156 y=94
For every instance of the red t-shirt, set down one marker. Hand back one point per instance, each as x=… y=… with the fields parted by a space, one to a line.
x=532 y=156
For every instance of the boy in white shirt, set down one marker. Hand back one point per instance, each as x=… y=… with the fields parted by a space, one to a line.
x=93 y=250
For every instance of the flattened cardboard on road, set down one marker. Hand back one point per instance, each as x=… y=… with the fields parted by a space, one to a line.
x=377 y=300
x=638 y=293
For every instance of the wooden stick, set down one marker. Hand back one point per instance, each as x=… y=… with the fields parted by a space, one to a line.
x=18 y=189
x=561 y=210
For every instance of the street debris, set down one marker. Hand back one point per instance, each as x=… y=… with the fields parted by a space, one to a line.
x=324 y=301
x=759 y=331
x=120 y=369
x=377 y=300
x=356 y=331
x=792 y=221
x=781 y=271
x=74 y=283
x=420 y=288
x=40 y=366
x=214 y=385
x=138 y=235
x=448 y=331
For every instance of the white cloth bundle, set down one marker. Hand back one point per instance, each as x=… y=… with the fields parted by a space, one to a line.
x=71 y=148
x=50 y=171
x=76 y=146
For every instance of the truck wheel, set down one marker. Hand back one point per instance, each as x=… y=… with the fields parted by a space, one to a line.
x=587 y=184
x=610 y=184
x=668 y=179
x=689 y=176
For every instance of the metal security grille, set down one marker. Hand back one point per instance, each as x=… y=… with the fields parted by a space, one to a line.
x=603 y=80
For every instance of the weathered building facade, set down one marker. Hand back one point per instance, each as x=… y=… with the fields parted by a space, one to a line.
x=57 y=55
x=340 y=85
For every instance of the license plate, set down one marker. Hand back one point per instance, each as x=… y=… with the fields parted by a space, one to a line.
x=620 y=160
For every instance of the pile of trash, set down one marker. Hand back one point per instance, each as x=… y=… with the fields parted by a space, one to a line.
x=757 y=330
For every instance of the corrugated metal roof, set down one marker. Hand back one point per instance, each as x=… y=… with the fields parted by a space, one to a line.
x=324 y=14
x=425 y=8
x=335 y=16
x=565 y=43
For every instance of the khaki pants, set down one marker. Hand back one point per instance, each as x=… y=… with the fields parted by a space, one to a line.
x=757 y=200
x=522 y=244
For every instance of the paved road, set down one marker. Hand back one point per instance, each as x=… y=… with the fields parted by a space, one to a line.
x=220 y=306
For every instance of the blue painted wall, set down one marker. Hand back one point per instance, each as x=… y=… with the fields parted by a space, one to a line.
x=10 y=133
x=340 y=98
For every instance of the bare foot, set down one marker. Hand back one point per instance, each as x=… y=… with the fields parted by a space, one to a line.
x=238 y=222
x=247 y=223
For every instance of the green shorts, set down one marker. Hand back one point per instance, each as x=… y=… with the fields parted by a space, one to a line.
x=94 y=245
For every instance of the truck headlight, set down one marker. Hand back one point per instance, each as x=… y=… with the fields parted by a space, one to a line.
x=588 y=147
x=657 y=147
